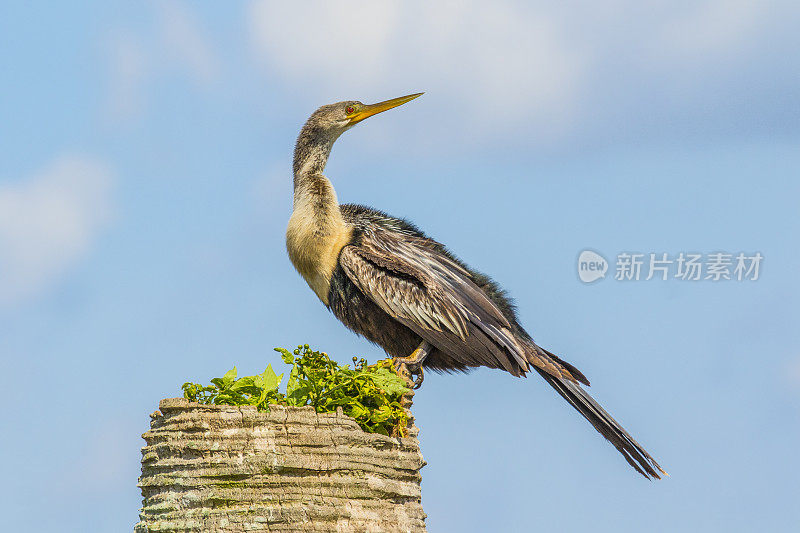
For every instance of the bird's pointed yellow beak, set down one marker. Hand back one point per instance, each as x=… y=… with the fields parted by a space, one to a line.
x=367 y=111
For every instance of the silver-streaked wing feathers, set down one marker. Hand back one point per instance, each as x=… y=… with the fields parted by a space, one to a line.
x=424 y=289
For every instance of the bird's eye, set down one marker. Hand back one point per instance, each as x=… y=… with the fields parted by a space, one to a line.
x=349 y=110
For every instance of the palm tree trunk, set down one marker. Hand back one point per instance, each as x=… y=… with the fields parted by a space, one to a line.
x=226 y=469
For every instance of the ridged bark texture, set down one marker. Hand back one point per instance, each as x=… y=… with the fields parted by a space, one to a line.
x=229 y=469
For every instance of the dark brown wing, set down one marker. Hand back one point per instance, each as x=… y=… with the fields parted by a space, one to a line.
x=410 y=279
x=413 y=279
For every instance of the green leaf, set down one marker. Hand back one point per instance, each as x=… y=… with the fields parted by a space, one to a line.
x=286 y=355
x=242 y=383
x=294 y=382
x=390 y=382
x=299 y=395
x=357 y=410
x=369 y=393
x=270 y=379
x=229 y=378
x=381 y=414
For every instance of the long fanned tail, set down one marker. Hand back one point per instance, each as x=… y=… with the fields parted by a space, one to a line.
x=603 y=422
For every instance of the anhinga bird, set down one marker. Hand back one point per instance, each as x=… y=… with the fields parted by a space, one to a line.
x=386 y=280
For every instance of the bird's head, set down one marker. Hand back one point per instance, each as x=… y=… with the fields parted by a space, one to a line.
x=334 y=119
x=326 y=124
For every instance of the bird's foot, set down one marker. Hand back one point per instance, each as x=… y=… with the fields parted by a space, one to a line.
x=420 y=376
x=408 y=371
x=411 y=366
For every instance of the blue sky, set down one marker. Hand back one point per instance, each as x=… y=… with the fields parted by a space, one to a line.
x=145 y=188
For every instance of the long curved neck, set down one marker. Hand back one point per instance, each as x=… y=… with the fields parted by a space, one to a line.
x=313 y=193
x=316 y=229
x=310 y=153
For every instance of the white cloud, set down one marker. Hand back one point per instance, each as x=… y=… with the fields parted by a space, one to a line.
x=48 y=224
x=321 y=40
x=185 y=42
x=128 y=73
x=176 y=43
x=500 y=60
x=712 y=27
x=548 y=69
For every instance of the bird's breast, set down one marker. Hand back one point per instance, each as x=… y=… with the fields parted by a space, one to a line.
x=314 y=250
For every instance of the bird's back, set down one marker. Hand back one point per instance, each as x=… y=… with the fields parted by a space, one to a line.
x=363 y=217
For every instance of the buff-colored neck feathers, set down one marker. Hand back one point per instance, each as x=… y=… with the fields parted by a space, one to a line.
x=316 y=232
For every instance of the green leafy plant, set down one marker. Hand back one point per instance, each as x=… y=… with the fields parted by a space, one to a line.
x=371 y=394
